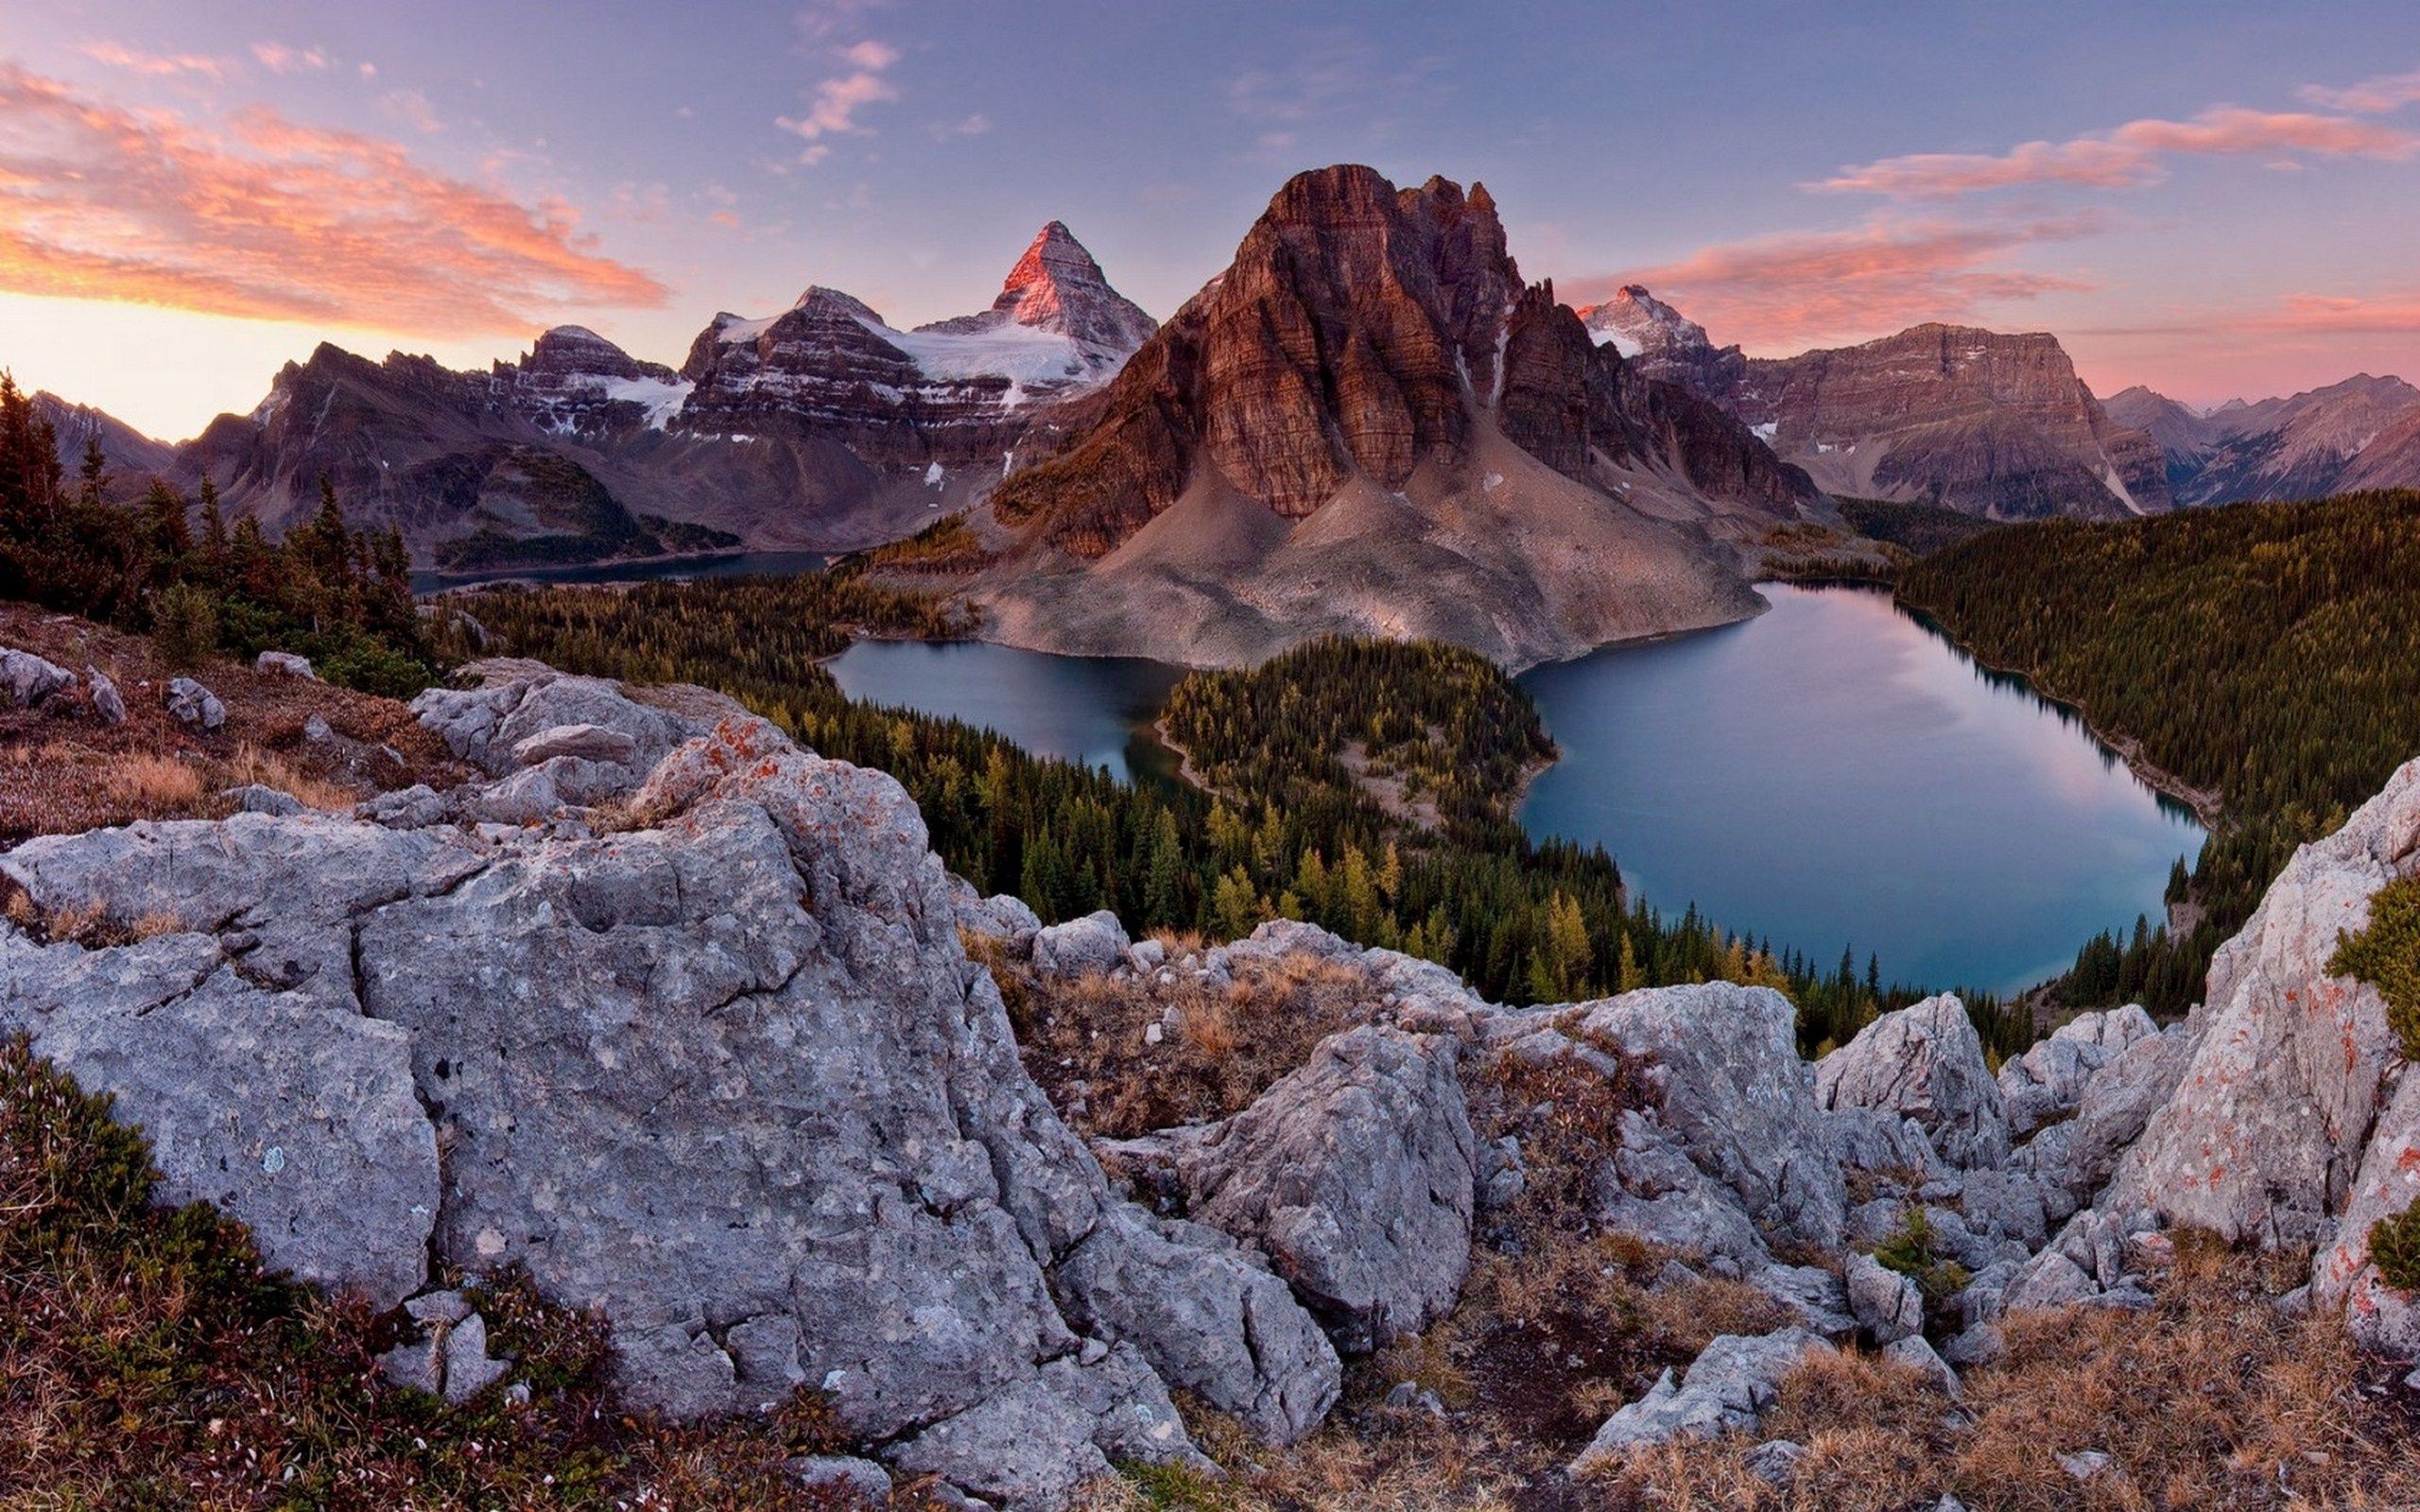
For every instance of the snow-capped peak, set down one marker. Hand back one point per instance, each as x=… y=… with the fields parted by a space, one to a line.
x=1057 y=286
x=1634 y=322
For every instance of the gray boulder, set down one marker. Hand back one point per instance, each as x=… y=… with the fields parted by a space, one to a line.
x=2048 y=1081
x=194 y=705
x=1210 y=1316
x=299 y=1121
x=2383 y=1317
x=1093 y=945
x=1728 y=1098
x=1355 y=1175
x=253 y=797
x=508 y=702
x=1924 y=1063
x=27 y=679
x=1886 y=1304
x=285 y=664
x=2077 y=1158
x=1913 y=1352
x=107 y=701
x=1726 y=1390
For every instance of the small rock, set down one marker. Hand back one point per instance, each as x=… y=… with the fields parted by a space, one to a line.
x=1149 y=955
x=1153 y=1034
x=316 y=729
x=1979 y=1345
x=2085 y=1463
x=1775 y=1462
x=468 y=1368
x=28 y=680
x=194 y=705
x=863 y=1478
x=107 y=701
x=1726 y=1391
x=439 y=1307
x=415 y=1366
x=253 y=797
x=1916 y=1351
x=1093 y=945
x=285 y=664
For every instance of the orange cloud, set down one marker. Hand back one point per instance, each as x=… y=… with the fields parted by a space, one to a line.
x=2126 y=156
x=275 y=219
x=1785 y=292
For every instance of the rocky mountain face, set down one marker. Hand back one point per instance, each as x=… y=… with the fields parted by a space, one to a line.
x=130 y=455
x=1367 y=398
x=819 y=428
x=676 y=1015
x=1976 y=421
x=2363 y=433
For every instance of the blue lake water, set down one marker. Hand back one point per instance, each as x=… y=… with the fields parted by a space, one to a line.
x=1833 y=772
x=1096 y=711
x=1830 y=773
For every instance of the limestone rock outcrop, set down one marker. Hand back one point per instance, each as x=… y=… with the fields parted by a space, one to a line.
x=2291 y=1066
x=1924 y=1063
x=712 y=1061
x=1355 y=1175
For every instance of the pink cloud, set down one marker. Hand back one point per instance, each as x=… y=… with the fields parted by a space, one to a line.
x=2386 y=315
x=834 y=109
x=271 y=218
x=1788 y=291
x=279 y=59
x=2128 y=155
x=2387 y=92
x=158 y=65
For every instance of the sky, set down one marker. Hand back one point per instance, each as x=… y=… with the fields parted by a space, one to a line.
x=2218 y=199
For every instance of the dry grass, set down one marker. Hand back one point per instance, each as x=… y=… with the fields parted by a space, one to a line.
x=148 y=782
x=63 y=769
x=2212 y=1400
x=270 y=769
x=1086 y=1040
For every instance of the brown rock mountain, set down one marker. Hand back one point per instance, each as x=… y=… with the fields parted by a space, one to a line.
x=1370 y=423
x=1976 y=420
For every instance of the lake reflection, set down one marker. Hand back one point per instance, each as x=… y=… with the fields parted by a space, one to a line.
x=1832 y=773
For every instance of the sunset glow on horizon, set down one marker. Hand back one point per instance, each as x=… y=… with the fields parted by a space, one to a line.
x=2217 y=205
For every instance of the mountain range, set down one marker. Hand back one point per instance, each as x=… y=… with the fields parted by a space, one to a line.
x=1999 y=425
x=820 y=427
x=1369 y=422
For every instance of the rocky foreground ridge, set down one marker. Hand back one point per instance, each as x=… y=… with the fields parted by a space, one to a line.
x=677 y=1017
